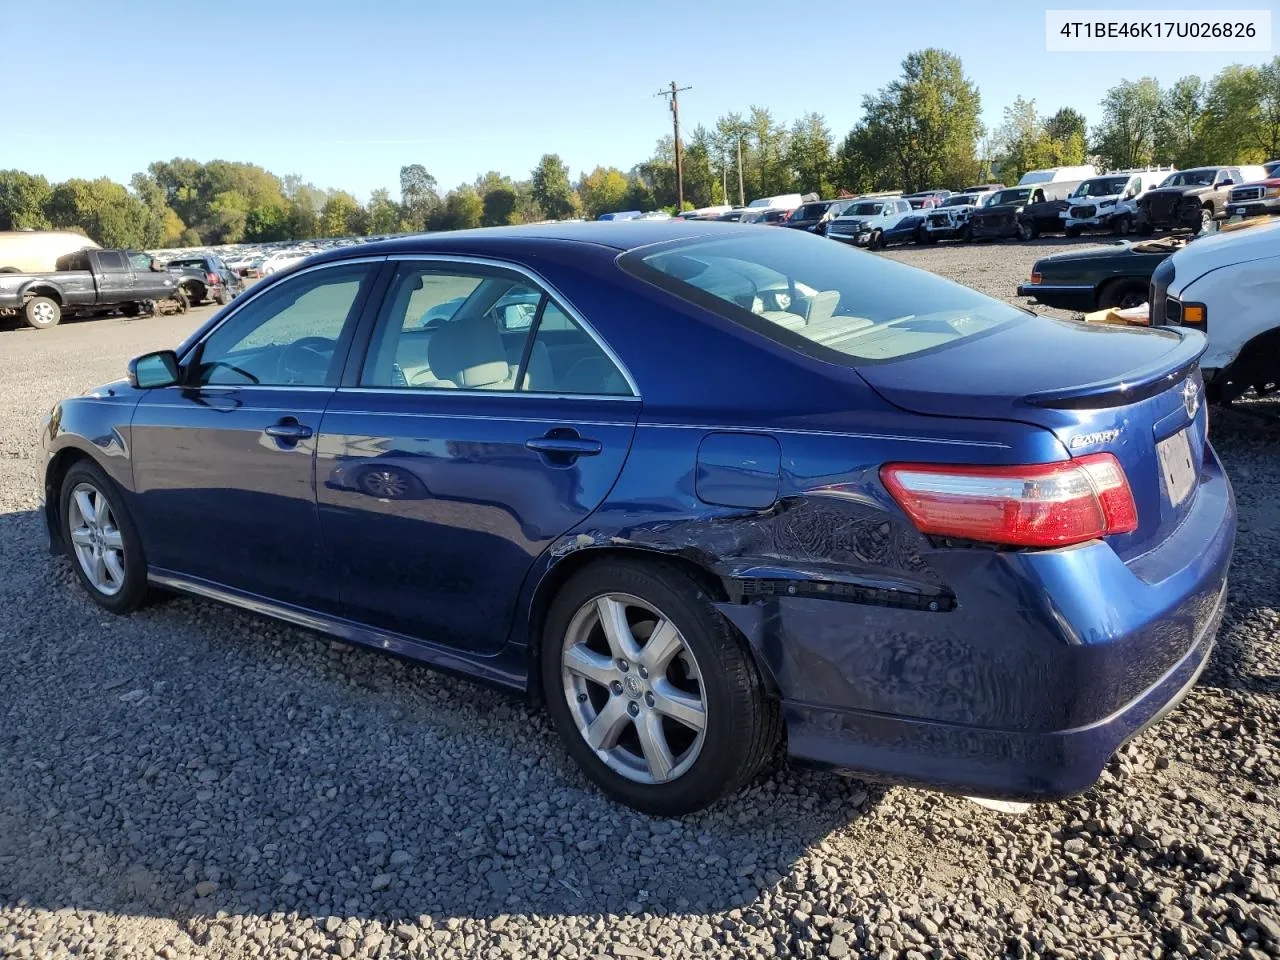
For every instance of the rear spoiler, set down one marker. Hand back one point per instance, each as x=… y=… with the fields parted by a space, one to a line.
x=1134 y=385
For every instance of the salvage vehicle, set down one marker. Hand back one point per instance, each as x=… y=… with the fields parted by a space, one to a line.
x=908 y=558
x=1227 y=286
x=876 y=223
x=1192 y=199
x=86 y=280
x=1023 y=212
x=815 y=217
x=1258 y=199
x=951 y=220
x=1086 y=280
x=926 y=198
x=206 y=277
x=1109 y=202
x=37 y=251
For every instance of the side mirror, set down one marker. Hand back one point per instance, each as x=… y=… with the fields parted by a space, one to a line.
x=1227 y=183
x=159 y=369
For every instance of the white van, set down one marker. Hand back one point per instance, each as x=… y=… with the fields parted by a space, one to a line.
x=37 y=251
x=1058 y=175
x=1110 y=201
x=785 y=201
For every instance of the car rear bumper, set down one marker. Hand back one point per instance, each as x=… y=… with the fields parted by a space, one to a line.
x=1065 y=296
x=1048 y=663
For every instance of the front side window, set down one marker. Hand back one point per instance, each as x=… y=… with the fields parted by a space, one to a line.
x=450 y=327
x=287 y=335
x=822 y=299
x=139 y=260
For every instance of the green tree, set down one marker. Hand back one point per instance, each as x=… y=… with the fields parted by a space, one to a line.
x=419 y=198
x=1267 y=132
x=23 y=197
x=809 y=154
x=382 y=215
x=1126 y=136
x=1064 y=124
x=768 y=149
x=1178 y=130
x=462 y=209
x=603 y=190
x=923 y=127
x=549 y=184
x=105 y=210
x=339 y=215
x=152 y=196
x=732 y=135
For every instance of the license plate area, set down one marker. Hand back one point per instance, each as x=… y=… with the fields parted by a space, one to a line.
x=1177 y=466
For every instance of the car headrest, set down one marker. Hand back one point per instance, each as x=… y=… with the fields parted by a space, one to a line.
x=469 y=353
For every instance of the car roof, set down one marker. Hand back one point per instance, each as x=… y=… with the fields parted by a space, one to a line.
x=616 y=235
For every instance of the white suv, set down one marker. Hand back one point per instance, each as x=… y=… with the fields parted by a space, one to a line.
x=1109 y=202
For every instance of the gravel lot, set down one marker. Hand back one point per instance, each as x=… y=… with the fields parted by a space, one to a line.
x=193 y=781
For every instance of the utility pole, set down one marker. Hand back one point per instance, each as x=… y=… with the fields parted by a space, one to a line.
x=742 y=194
x=674 y=94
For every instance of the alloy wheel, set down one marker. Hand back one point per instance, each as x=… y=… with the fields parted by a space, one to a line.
x=43 y=314
x=634 y=688
x=96 y=539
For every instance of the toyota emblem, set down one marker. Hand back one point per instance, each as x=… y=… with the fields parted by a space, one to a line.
x=1191 y=397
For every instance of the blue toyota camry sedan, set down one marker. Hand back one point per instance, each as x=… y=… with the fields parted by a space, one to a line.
x=702 y=490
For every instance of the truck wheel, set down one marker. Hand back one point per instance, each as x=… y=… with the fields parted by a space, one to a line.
x=223 y=297
x=1122 y=294
x=42 y=313
x=1073 y=231
x=924 y=237
x=1206 y=220
x=966 y=234
x=877 y=240
x=183 y=301
x=1026 y=231
x=193 y=292
x=1122 y=226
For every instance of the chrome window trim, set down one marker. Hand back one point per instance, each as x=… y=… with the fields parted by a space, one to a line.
x=248 y=298
x=561 y=300
x=462 y=392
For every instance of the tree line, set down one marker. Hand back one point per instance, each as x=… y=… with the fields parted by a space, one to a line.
x=920 y=131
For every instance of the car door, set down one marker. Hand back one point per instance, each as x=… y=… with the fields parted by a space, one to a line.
x=472 y=432
x=115 y=280
x=223 y=462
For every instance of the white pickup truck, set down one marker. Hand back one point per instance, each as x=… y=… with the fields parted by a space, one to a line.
x=1227 y=285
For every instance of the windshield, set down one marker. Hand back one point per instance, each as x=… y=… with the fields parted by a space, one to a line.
x=810 y=211
x=820 y=298
x=1009 y=196
x=1191 y=178
x=1101 y=187
x=864 y=210
x=959 y=200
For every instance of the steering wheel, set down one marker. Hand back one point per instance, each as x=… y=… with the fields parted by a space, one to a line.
x=305 y=361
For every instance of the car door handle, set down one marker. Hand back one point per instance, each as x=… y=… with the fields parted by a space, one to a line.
x=565 y=446
x=288 y=429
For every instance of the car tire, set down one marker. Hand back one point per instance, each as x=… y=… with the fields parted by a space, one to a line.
x=41 y=313
x=1122 y=226
x=876 y=242
x=1206 y=220
x=1122 y=294
x=1026 y=231
x=644 y=757
x=101 y=539
x=1072 y=231
x=223 y=298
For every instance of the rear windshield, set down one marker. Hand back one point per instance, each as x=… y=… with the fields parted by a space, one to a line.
x=820 y=298
x=197 y=262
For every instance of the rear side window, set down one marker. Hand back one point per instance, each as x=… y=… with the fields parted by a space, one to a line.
x=110 y=262
x=820 y=298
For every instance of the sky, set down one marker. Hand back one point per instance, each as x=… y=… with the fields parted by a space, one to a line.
x=344 y=92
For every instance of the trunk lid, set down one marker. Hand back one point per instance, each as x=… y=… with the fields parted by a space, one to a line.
x=1097 y=388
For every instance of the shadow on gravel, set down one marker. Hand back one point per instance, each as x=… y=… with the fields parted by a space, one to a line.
x=191 y=759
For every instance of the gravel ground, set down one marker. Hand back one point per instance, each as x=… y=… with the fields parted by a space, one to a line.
x=193 y=781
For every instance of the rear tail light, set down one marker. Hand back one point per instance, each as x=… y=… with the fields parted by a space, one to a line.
x=1035 y=277
x=1039 y=505
x=213 y=279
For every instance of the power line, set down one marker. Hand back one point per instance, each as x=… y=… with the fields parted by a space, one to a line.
x=673 y=96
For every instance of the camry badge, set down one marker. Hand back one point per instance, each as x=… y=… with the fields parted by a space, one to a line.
x=1089 y=439
x=1191 y=397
